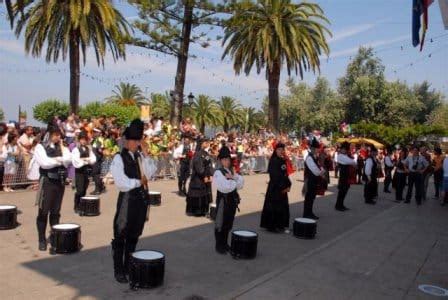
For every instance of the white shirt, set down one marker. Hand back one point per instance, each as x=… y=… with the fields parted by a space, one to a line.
x=4 y=153
x=178 y=152
x=149 y=132
x=343 y=159
x=335 y=158
x=417 y=163
x=79 y=162
x=445 y=167
x=388 y=162
x=368 y=167
x=312 y=166
x=225 y=185
x=45 y=162
x=25 y=140
x=123 y=182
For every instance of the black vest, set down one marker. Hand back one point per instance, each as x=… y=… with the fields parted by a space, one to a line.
x=233 y=195
x=131 y=168
x=374 y=173
x=59 y=172
x=84 y=152
x=308 y=173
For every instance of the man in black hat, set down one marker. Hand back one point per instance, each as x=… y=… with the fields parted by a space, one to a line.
x=83 y=158
x=371 y=177
x=98 y=147
x=130 y=170
x=183 y=153
x=53 y=159
x=199 y=194
x=227 y=199
x=313 y=173
x=345 y=162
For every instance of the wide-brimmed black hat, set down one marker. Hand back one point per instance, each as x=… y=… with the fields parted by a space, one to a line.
x=224 y=152
x=82 y=135
x=345 y=145
x=280 y=145
x=314 y=143
x=135 y=130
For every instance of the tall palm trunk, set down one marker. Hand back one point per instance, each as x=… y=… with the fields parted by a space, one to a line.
x=225 y=127
x=182 y=58
x=202 y=128
x=74 y=71
x=273 y=82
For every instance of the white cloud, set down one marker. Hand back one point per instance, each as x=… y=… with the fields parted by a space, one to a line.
x=350 y=31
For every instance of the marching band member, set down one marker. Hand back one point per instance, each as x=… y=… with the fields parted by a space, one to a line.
x=53 y=159
x=371 y=177
x=416 y=165
x=344 y=164
x=130 y=170
x=184 y=154
x=227 y=183
x=82 y=159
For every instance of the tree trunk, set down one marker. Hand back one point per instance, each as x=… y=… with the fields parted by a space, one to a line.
x=225 y=127
x=182 y=58
x=273 y=82
x=202 y=129
x=74 y=72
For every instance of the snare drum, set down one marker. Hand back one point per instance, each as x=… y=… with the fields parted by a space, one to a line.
x=244 y=244
x=8 y=217
x=212 y=212
x=146 y=269
x=304 y=228
x=89 y=206
x=155 y=198
x=65 y=238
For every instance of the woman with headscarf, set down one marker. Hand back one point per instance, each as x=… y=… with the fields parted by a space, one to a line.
x=275 y=215
x=199 y=194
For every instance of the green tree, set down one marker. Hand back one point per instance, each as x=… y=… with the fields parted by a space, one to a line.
x=170 y=27
x=230 y=112
x=204 y=111
x=252 y=119
x=124 y=114
x=127 y=94
x=46 y=110
x=439 y=117
x=430 y=99
x=70 y=27
x=91 y=109
x=160 y=105
x=2 y=115
x=271 y=34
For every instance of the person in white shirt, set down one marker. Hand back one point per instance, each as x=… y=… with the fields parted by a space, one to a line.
x=371 y=177
x=388 y=168
x=227 y=184
x=130 y=170
x=416 y=165
x=82 y=159
x=53 y=159
x=344 y=164
x=183 y=154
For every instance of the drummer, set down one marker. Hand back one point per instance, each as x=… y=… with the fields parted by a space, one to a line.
x=82 y=159
x=132 y=200
x=345 y=162
x=227 y=183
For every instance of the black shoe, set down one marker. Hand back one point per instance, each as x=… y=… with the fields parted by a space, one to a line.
x=222 y=251
x=398 y=200
x=42 y=245
x=371 y=202
x=96 y=193
x=313 y=216
x=387 y=191
x=121 y=278
x=342 y=208
x=407 y=201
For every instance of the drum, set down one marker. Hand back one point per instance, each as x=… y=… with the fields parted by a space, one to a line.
x=155 y=198
x=65 y=238
x=212 y=212
x=304 y=228
x=8 y=217
x=146 y=269
x=244 y=244
x=89 y=206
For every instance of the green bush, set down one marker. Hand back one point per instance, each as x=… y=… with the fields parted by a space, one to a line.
x=46 y=110
x=91 y=110
x=2 y=115
x=124 y=114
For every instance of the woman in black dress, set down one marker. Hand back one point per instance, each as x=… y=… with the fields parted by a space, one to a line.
x=275 y=215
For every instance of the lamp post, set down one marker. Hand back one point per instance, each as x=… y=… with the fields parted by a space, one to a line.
x=190 y=99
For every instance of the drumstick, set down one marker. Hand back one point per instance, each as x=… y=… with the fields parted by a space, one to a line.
x=140 y=166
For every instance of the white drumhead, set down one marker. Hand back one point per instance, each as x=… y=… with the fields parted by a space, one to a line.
x=91 y=198
x=66 y=226
x=147 y=254
x=245 y=233
x=305 y=220
x=154 y=193
x=5 y=207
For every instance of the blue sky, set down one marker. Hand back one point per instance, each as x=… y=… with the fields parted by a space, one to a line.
x=383 y=24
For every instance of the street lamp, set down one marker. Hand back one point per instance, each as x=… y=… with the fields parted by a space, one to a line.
x=190 y=98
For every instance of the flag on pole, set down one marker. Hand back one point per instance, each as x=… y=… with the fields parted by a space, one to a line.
x=419 y=8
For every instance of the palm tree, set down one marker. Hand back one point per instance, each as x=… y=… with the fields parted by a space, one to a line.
x=229 y=110
x=127 y=94
x=70 y=27
x=204 y=111
x=274 y=33
x=160 y=105
x=252 y=119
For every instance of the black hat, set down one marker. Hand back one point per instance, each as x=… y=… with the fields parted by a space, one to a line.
x=135 y=130
x=53 y=129
x=82 y=135
x=373 y=149
x=345 y=145
x=280 y=145
x=314 y=143
x=224 y=152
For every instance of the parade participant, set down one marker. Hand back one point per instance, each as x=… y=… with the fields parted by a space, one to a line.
x=53 y=159
x=130 y=170
x=82 y=159
x=98 y=147
x=371 y=177
x=401 y=174
x=313 y=174
x=344 y=164
x=275 y=215
x=428 y=171
x=227 y=199
x=184 y=154
x=388 y=168
x=199 y=194
x=416 y=164
x=437 y=162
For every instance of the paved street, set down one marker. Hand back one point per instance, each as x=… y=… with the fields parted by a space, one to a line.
x=370 y=252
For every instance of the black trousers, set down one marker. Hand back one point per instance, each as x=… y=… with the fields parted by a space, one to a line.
x=52 y=193
x=310 y=195
x=388 y=178
x=336 y=170
x=184 y=173
x=342 y=192
x=2 y=173
x=438 y=179
x=415 y=179
x=401 y=183
x=225 y=215
x=96 y=174
x=81 y=184
x=370 y=190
